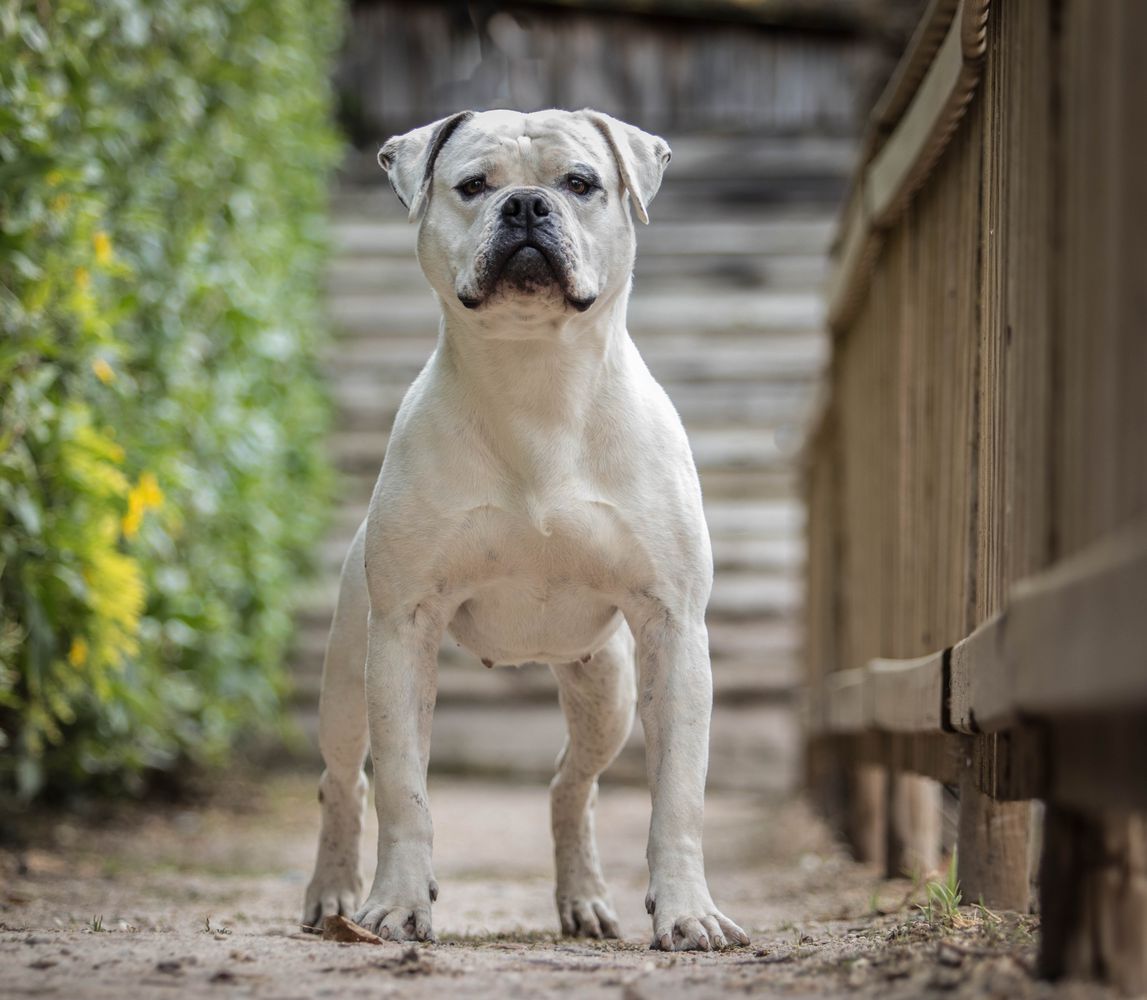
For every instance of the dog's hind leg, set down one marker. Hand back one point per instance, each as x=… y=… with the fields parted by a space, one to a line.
x=336 y=886
x=598 y=700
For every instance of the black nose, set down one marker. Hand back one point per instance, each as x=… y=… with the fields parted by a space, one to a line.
x=525 y=210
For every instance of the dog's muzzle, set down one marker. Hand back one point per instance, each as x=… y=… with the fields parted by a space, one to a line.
x=528 y=251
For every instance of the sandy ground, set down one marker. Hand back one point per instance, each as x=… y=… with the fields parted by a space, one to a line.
x=182 y=902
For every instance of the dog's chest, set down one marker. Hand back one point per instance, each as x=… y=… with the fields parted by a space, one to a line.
x=540 y=579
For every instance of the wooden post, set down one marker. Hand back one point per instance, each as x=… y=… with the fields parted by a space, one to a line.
x=994 y=844
x=914 y=814
x=867 y=813
x=1093 y=893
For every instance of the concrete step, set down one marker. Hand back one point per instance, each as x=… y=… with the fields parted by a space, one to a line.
x=753 y=745
x=691 y=356
x=774 y=234
x=469 y=683
x=718 y=485
x=728 y=447
x=746 y=597
x=408 y=313
x=736 y=521
x=364 y=403
x=770 y=642
x=357 y=274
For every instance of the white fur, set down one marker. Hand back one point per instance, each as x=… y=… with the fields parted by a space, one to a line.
x=539 y=501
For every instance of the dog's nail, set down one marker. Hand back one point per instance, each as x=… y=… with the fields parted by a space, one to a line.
x=433 y=891
x=487 y=663
x=587 y=658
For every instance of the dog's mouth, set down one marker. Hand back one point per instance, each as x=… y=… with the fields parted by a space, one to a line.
x=528 y=268
x=524 y=267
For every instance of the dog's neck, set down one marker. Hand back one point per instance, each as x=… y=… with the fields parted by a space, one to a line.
x=533 y=395
x=545 y=371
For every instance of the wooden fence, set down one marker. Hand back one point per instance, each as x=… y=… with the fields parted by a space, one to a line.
x=978 y=481
x=769 y=70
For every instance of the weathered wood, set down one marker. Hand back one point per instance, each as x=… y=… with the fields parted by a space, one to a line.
x=1093 y=898
x=1076 y=636
x=1073 y=640
x=406 y=64
x=909 y=152
x=846 y=706
x=907 y=695
x=993 y=840
x=914 y=808
x=868 y=813
x=980 y=694
x=989 y=400
x=1099 y=763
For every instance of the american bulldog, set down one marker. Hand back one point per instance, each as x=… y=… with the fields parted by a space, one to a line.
x=539 y=502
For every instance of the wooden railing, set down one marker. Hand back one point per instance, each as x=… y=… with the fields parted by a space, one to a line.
x=977 y=610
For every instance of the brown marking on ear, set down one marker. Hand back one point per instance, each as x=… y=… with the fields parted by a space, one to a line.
x=438 y=140
x=401 y=156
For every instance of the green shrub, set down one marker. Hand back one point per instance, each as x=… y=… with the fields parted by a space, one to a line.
x=163 y=167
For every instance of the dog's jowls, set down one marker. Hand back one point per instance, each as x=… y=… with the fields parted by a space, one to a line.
x=539 y=501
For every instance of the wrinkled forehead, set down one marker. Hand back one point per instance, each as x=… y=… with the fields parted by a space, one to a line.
x=531 y=145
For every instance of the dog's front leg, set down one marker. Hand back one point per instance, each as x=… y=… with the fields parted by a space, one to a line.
x=401 y=686
x=676 y=700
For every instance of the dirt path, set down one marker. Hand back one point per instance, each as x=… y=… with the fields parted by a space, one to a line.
x=205 y=902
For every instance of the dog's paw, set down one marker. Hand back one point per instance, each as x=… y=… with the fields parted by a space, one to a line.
x=587 y=915
x=399 y=916
x=336 y=894
x=688 y=921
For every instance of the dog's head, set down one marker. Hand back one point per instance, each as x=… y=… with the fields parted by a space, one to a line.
x=525 y=211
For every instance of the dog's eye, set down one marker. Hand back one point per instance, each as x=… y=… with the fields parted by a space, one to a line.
x=578 y=185
x=474 y=186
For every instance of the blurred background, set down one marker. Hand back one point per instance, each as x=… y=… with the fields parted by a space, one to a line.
x=211 y=310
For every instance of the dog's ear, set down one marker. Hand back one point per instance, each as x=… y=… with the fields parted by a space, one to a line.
x=409 y=160
x=641 y=158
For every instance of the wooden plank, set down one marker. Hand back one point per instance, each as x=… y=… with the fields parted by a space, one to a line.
x=980 y=688
x=1073 y=640
x=900 y=159
x=1098 y=764
x=1076 y=635
x=847 y=707
x=940 y=756
x=856 y=247
x=907 y=696
x=904 y=83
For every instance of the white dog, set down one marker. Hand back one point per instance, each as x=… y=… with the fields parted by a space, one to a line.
x=539 y=501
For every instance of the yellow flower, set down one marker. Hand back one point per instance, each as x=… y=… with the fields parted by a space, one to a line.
x=149 y=488
x=103 y=371
x=134 y=516
x=144 y=496
x=103 y=248
x=59 y=204
x=54 y=177
x=83 y=279
x=78 y=654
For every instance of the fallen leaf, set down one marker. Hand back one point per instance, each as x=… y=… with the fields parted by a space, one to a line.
x=339 y=928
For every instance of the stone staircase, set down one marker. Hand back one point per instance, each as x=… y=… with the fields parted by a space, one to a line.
x=726 y=311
